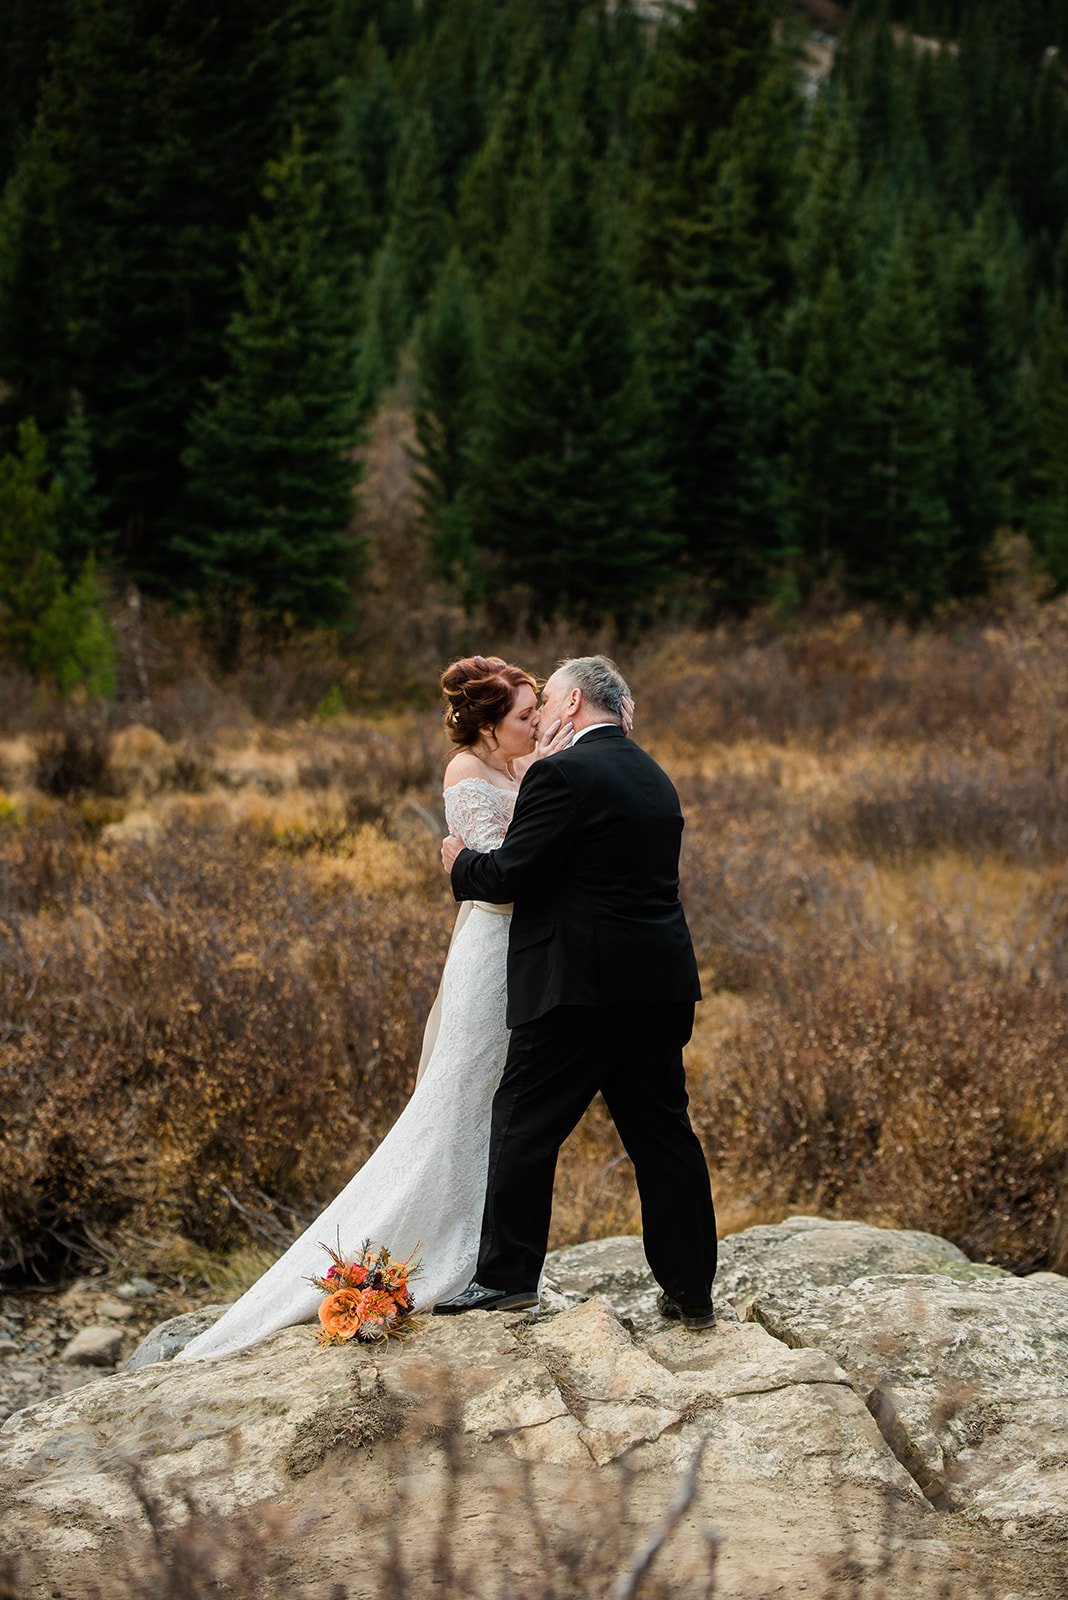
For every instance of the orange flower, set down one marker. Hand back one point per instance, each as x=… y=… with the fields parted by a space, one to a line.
x=341 y=1314
x=377 y=1304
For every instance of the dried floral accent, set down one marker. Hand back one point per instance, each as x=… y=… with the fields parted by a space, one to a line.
x=367 y=1296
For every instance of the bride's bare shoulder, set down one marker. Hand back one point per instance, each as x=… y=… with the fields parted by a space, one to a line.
x=462 y=765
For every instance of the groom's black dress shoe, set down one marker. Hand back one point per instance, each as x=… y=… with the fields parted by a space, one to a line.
x=690 y=1317
x=476 y=1298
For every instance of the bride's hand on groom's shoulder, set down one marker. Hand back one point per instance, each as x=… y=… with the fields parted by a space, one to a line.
x=626 y=712
x=450 y=849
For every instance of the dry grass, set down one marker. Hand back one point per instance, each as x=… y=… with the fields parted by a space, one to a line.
x=199 y=1017
x=222 y=920
x=980 y=808
x=853 y=677
x=913 y=1097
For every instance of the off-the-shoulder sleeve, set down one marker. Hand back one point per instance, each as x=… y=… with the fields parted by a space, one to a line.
x=476 y=814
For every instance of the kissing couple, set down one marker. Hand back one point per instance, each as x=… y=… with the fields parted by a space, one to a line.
x=570 y=972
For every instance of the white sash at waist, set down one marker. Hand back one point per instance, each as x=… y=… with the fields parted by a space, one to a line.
x=498 y=911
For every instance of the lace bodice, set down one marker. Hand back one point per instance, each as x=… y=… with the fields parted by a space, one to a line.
x=479 y=812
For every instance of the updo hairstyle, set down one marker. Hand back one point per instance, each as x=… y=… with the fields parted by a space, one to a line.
x=479 y=691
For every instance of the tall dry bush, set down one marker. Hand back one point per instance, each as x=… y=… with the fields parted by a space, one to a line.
x=74 y=757
x=21 y=706
x=909 y=1073
x=750 y=880
x=854 y=676
x=922 y=1097
x=977 y=809
x=1029 y=948
x=207 y=1018
x=237 y=1005
x=375 y=767
x=40 y=866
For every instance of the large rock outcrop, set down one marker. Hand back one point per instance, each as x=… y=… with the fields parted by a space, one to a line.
x=884 y=1414
x=968 y=1381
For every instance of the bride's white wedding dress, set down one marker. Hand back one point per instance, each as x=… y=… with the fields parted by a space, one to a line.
x=424 y=1187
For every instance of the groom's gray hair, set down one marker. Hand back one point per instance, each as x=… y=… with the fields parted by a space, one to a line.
x=600 y=680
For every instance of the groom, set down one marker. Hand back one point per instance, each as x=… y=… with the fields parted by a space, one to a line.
x=601 y=988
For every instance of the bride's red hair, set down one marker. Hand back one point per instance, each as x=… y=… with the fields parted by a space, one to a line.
x=479 y=691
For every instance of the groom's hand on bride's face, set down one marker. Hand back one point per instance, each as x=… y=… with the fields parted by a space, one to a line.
x=450 y=849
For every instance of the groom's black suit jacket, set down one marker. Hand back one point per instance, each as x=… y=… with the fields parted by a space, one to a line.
x=591 y=861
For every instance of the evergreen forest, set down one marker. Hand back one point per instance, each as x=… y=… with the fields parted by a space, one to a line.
x=704 y=306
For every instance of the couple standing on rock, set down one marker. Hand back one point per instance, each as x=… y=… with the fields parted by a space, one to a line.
x=570 y=972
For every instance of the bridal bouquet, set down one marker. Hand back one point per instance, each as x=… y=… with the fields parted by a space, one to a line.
x=366 y=1297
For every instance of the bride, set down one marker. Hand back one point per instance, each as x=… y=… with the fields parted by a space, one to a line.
x=423 y=1188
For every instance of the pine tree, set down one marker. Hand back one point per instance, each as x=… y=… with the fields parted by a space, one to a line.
x=823 y=397
x=385 y=328
x=270 y=452
x=520 y=234
x=604 y=69
x=452 y=89
x=988 y=424
x=374 y=121
x=395 y=22
x=417 y=229
x=895 y=528
x=29 y=27
x=566 y=490
x=989 y=88
x=353 y=230
x=709 y=58
x=827 y=231
x=406 y=266
x=514 y=146
x=145 y=162
x=943 y=119
x=448 y=349
x=36 y=300
x=1038 y=158
x=552 y=24
x=78 y=522
x=54 y=630
x=73 y=643
x=761 y=154
x=30 y=573
x=719 y=406
x=1049 y=518
x=107 y=322
x=873 y=86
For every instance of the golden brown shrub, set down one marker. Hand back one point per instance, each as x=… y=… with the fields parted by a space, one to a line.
x=74 y=758
x=213 y=1019
x=919 y=1096
x=211 y=994
x=978 y=808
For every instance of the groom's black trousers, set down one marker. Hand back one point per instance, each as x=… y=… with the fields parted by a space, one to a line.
x=555 y=1066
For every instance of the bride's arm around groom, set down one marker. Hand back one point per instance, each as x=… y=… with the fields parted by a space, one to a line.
x=602 y=982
